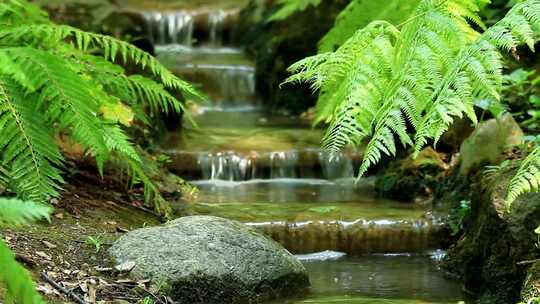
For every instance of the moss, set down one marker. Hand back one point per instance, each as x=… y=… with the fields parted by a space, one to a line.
x=408 y=178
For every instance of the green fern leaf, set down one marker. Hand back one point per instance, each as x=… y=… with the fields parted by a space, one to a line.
x=425 y=75
x=113 y=49
x=19 y=287
x=527 y=177
x=18 y=283
x=15 y=212
x=27 y=153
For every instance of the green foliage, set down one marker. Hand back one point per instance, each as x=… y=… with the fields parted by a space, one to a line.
x=527 y=177
x=19 y=287
x=361 y=12
x=521 y=92
x=290 y=7
x=458 y=216
x=13 y=212
x=147 y=300
x=95 y=241
x=424 y=74
x=56 y=79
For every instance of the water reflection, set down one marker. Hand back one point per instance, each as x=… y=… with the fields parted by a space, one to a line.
x=379 y=279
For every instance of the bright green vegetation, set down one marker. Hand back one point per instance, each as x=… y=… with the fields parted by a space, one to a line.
x=18 y=284
x=57 y=80
x=424 y=72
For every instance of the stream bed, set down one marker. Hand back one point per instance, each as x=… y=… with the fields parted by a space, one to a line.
x=268 y=171
x=379 y=279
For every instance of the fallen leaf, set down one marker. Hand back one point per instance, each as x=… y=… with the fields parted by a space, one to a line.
x=127 y=266
x=48 y=244
x=43 y=255
x=45 y=289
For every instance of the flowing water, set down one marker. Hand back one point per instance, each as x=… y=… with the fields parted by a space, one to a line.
x=268 y=171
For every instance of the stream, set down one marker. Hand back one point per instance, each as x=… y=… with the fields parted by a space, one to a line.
x=268 y=171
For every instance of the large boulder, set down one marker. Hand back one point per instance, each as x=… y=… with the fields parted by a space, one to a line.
x=489 y=141
x=205 y=259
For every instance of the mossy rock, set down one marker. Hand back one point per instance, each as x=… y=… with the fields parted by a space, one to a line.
x=487 y=257
x=488 y=142
x=205 y=259
x=411 y=177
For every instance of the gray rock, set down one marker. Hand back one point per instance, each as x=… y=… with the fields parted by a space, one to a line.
x=205 y=259
x=489 y=141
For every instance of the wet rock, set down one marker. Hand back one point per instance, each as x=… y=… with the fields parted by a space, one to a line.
x=487 y=257
x=409 y=178
x=204 y=259
x=357 y=237
x=489 y=141
x=452 y=139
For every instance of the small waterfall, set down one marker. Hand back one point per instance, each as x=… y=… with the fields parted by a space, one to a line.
x=358 y=237
x=238 y=166
x=216 y=20
x=233 y=86
x=336 y=165
x=283 y=164
x=171 y=27
x=225 y=166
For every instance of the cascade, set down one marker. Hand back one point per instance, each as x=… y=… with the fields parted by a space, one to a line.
x=283 y=164
x=215 y=25
x=268 y=171
x=243 y=166
x=336 y=165
x=170 y=27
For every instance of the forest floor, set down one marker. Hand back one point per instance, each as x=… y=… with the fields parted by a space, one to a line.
x=71 y=250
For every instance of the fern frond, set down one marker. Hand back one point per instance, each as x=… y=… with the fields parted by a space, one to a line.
x=70 y=99
x=19 y=285
x=19 y=12
x=4 y=178
x=27 y=153
x=58 y=79
x=289 y=7
x=113 y=49
x=425 y=75
x=476 y=72
x=526 y=179
x=14 y=212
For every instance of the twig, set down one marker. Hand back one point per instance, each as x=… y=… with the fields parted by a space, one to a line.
x=158 y=300
x=528 y=262
x=62 y=289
